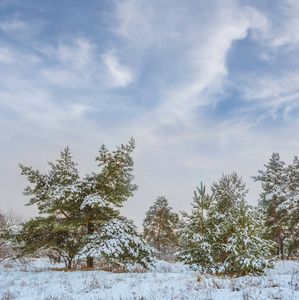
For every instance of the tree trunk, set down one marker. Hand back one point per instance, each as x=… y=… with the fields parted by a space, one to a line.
x=68 y=262
x=225 y=253
x=69 y=265
x=202 y=223
x=281 y=249
x=279 y=240
x=159 y=234
x=90 y=230
x=89 y=262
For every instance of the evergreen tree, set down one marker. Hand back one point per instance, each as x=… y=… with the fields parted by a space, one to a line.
x=292 y=208
x=229 y=242
x=193 y=243
x=159 y=227
x=272 y=202
x=73 y=209
x=201 y=204
x=118 y=244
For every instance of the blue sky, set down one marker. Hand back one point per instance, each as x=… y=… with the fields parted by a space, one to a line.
x=205 y=88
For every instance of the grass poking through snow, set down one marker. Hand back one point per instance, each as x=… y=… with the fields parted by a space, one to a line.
x=42 y=281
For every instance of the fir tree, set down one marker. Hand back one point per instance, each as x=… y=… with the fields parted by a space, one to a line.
x=159 y=227
x=229 y=241
x=74 y=209
x=272 y=202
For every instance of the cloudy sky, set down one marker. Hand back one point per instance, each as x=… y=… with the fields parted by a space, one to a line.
x=204 y=86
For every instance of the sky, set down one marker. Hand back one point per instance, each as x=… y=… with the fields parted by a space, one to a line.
x=205 y=87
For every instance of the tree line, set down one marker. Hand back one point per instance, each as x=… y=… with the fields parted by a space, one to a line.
x=79 y=219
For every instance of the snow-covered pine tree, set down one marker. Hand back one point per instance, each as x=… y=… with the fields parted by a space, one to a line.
x=159 y=227
x=201 y=204
x=193 y=241
x=118 y=244
x=105 y=192
x=74 y=210
x=272 y=202
x=229 y=242
x=292 y=208
x=57 y=196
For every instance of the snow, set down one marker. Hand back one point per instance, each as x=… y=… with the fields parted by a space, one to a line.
x=36 y=280
x=118 y=238
x=94 y=200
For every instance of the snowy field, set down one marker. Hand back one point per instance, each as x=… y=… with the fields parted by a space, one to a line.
x=168 y=281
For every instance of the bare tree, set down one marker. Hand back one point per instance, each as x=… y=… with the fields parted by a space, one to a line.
x=7 y=220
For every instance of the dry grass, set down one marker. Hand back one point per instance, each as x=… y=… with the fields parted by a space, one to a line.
x=152 y=285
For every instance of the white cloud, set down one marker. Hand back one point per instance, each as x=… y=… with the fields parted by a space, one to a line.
x=77 y=54
x=60 y=76
x=36 y=110
x=73 y=62
x=14 y=26
x=272 y=93
x=18 y=29
x=279 y=30
x=5 y=56
x=78 y=109
x=199 y=50
x=276 y=89
x=171 y=59
x=286 y=33
x=134 y=20
x=277 y=36
x=120 y=75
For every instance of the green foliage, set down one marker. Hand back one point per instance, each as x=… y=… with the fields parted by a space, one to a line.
x=160 y=226
x=222 y=234
x=73 y=208
x=201 y=203
x=279 y=203
x=118 y=244
x=292 y=207
x=53 y=233
x=195 y=247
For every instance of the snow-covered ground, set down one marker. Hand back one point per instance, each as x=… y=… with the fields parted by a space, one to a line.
x=167 y=281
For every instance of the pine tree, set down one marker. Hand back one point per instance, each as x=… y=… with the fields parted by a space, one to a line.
x=193 y=239
x=118 y=245
x=74 y=209
x=201 y=204
x=229 y=242
x=272 y=202
x=292 y=208
x=159 y=227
